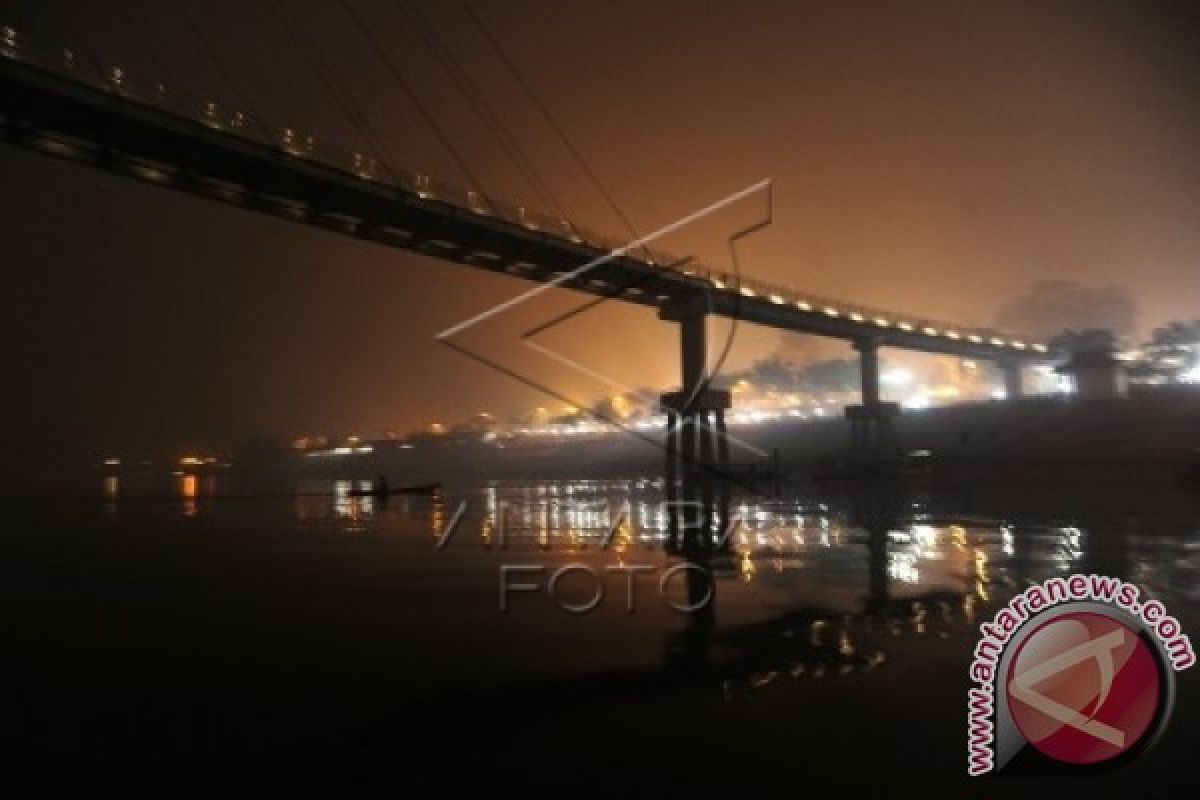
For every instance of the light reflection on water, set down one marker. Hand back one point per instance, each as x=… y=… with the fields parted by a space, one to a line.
x=829 y=579
x=842 y=626
x=804 y=534
x=810 y=584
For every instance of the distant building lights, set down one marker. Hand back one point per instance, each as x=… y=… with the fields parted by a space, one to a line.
x=896 y=377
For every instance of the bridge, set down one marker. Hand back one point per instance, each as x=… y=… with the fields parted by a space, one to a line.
x=54 y=102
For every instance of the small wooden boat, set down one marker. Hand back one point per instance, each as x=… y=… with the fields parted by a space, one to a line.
x=383 y=491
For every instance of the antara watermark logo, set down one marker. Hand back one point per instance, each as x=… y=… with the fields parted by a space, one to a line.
x=1078 y=668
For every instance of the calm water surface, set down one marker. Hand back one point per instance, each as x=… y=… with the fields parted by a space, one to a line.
x=322 y=640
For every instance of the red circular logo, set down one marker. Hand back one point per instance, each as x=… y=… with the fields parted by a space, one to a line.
x=1083 y=688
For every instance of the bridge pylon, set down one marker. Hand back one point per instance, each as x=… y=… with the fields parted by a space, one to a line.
x=871 y=431
x=696 y=446
x=696 y=441
x=1014 y=384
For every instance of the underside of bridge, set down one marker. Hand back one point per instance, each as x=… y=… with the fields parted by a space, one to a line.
x=697 y=442
x=105 y=127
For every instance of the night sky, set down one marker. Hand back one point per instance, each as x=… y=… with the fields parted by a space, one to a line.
x=934 y=158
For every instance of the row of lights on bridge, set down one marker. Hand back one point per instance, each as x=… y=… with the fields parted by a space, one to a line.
x=289 y=139
x=302 y=145
x=884 y=322
x=297 y=144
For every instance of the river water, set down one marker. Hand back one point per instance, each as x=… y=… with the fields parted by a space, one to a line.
x=311 y=641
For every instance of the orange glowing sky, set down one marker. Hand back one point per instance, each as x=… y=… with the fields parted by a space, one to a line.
x=931 y=157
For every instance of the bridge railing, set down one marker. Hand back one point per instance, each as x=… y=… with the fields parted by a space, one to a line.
x=232 y=119
x=222 y=115
x=881 y=318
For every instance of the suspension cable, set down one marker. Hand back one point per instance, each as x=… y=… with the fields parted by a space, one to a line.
x=476 y=98
x=310 y=55
x=287 y=110
x=404 y=85
x=227 y=73
x=143 y=42
x=550 y=119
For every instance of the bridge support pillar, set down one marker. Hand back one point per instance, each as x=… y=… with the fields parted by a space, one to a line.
x=871 y=433
x=693 y=348
x=695 y=445
x=1013 y=383
x=868 y=365
x=696 y=413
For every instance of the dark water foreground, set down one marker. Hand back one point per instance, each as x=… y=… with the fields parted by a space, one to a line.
x=323 y=645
